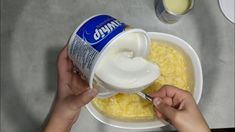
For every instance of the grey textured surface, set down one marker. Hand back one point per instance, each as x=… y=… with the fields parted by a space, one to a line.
x=32 y=33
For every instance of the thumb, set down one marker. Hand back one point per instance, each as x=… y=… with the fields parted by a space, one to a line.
x=164 y=109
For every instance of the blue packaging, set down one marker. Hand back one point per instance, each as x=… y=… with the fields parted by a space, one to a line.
x=90 y=38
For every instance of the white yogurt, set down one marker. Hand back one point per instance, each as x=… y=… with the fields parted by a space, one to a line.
x=123 y=67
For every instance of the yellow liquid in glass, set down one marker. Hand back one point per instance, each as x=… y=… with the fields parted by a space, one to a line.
x=177 y=6
x=174 y=71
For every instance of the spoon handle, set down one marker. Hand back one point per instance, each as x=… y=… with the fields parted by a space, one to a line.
x=149 y=98
x=145 y=96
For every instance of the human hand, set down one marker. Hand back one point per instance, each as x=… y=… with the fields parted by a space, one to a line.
x=72 y=94
x=179 y=108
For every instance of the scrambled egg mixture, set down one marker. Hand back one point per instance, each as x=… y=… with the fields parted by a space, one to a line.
x=174 y=69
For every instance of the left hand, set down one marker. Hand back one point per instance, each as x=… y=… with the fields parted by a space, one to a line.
x=72 y=94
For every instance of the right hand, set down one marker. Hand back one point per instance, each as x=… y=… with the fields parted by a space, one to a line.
x=179 y=108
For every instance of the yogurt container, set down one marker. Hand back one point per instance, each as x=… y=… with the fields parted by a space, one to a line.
x=102 y=36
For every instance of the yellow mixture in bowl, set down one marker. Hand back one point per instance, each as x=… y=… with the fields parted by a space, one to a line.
x=175 y=71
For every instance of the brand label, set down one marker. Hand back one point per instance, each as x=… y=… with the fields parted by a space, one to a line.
x=99 y=30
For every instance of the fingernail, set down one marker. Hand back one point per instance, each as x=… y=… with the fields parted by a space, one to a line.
x=156 y=101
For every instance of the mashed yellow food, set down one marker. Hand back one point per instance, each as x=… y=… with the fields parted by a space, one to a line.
x=174 y=71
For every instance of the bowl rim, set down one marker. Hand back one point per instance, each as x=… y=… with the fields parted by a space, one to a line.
x=198 y=77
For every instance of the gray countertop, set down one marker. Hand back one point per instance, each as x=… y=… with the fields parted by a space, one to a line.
x=32 y=33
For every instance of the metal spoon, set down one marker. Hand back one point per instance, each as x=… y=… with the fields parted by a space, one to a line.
x=145 y=96
x=149 y=98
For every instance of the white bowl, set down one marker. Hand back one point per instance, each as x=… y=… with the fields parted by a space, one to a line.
x=197 y=75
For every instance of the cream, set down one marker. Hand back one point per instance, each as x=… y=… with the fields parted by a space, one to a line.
x=123 y=67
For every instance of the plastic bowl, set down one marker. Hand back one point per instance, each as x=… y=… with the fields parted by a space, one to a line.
x=197 y=91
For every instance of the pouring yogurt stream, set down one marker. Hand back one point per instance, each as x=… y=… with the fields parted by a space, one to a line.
x=111 y=56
